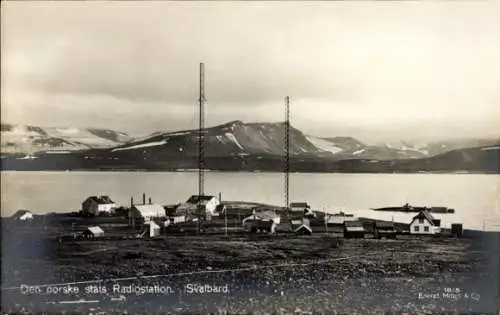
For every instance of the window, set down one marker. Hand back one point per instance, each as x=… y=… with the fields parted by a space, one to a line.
x=420 y=220
x=426 y=228
x=416 y=229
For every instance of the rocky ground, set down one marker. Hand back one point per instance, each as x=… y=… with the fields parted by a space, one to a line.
x=322 y=273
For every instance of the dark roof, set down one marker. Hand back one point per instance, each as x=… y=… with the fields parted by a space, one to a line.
x=198 y=198
x=102 y=200
x=20 y=213
x=426 y=215
x=303 y=227
x=384 y=224
x=299 y=204
x=353 y=223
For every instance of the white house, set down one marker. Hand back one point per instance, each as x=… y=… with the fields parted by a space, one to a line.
x=208 y=203
x=339 y=218
x=147 y=212
x=425 y=223
x=95 y=204
x=23 y=215
x=266 y=221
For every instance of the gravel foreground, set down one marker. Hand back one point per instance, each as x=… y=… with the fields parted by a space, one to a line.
x=318 y=274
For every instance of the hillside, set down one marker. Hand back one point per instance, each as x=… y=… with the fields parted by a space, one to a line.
x=234 y=146
x=28 y=139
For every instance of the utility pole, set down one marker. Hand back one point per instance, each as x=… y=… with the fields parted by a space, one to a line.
x=326 y=220
x=287 y=152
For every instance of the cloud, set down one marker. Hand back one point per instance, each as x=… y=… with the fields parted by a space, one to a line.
x=346 y=65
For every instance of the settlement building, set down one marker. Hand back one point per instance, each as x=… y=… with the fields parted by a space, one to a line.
x=207 y=204
x=95 y=204
x=299 y=206
x=154 y=228
x=339 y=218
x=425 y=223
x=261 y=221
x=302 y=226
x=147 y=212
x=23 y=215
x=384 y=229
x=93 y=232
x=353 y=229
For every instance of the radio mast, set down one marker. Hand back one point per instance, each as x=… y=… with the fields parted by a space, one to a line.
x=201 y=136
x=287 y=152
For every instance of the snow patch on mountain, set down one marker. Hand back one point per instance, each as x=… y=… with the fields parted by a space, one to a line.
x=324 y=145
x=231 y=137
x=144 y=145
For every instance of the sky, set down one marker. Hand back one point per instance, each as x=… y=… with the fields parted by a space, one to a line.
x=381 y=70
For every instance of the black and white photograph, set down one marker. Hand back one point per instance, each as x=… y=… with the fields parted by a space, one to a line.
x=250 y=157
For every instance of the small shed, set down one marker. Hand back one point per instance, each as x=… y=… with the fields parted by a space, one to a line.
x=302 y=227
x=23 y=215
x=154 y=228
x=93 y=232
x=457 y=229
x=384 y=229
x=354 y=229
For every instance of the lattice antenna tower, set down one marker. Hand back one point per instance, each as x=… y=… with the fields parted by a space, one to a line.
x=287 y=152
x=201 y=135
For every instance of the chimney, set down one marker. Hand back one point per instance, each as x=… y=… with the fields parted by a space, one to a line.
x=143 y=198
x=149 y=200
x=131 y=202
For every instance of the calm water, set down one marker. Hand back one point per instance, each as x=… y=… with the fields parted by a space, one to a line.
x=475 y=198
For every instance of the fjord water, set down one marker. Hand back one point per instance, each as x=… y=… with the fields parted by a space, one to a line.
x=475 y=198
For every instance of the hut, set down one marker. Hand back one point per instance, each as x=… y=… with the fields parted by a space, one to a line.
x=457 y=229
x=384 y=229
x=302 y=227
x=154 y=227
x=93 y=232
x=353 y=229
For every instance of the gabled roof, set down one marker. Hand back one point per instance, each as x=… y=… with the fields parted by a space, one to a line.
x=150 y=210
x=195 y=199
x=303 y=226
x=384 y=224
x=263 y=216
x=426 y=215
x=95 y=230
x=299 y=205
x=20 y=213
x=102 y=200
x=353 y=223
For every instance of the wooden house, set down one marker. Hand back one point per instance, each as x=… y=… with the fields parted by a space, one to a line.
x=147 y=212
x=94 y=205
x=93 y=232
x=261 y=221
x=299 y=206
x=353 y=229
x=425 y=224
x=383 y=229
x=22 y=215
x=206 y=204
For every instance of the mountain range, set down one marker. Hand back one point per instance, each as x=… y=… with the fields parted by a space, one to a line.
x=236 y=146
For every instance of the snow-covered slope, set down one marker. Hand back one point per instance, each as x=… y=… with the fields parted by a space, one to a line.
x=29 y=139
